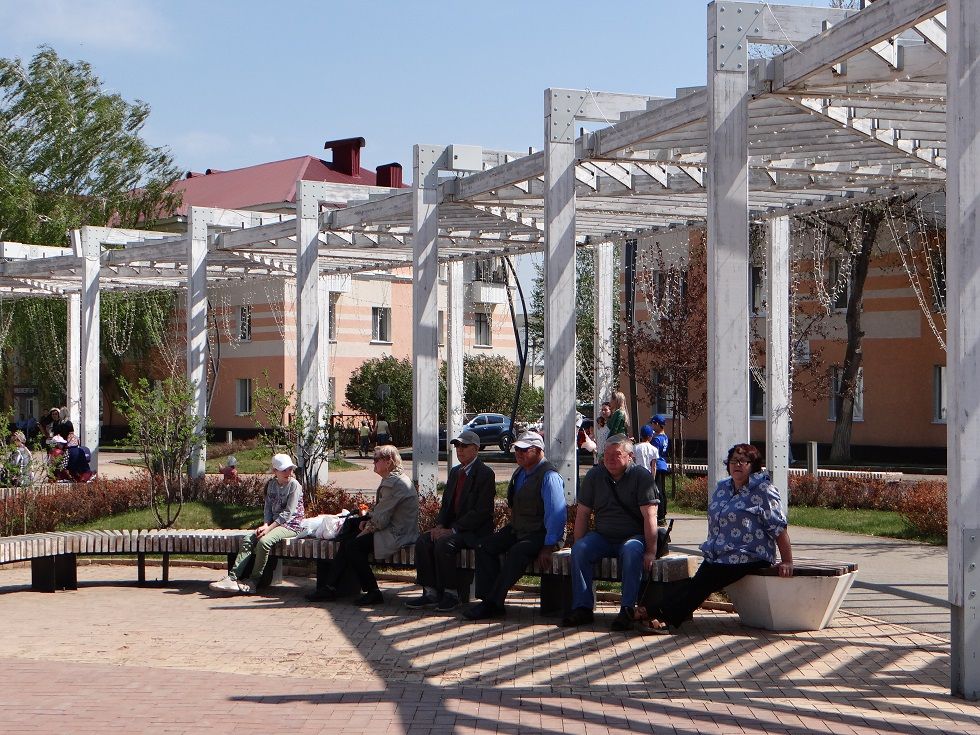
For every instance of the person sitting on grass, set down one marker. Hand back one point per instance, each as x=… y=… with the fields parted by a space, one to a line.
x=230 y=471
x=283 y=516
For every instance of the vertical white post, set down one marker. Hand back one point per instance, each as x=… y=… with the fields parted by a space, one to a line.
x=963 y=353
x=73 y=372
x=728 y=241
x=425 y=313
x=454 y=357
x=559 y=284
x=603 y=342
x=197 y=323
x=309 y=353
x=777 y=356
x=89 y=248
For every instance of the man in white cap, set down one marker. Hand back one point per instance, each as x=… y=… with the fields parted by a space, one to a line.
x=536 y=497
x=282 y=519
x=465 y=518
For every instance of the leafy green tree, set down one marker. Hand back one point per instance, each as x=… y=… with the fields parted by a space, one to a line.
x=382 y=386
x=489 y=383
x=72 y=154
x=162 y=425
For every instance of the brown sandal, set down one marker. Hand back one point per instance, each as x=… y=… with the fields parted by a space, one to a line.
x=652 y=627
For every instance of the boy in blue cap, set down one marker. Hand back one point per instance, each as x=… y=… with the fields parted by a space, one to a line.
x=660 y=441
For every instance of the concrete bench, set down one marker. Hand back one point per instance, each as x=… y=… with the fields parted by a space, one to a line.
x=806 y=601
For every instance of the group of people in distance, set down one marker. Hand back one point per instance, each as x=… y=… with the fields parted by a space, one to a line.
x=616 y=516
x=65 y=461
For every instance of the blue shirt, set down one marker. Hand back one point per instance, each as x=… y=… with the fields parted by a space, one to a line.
x=660 y=441
x=553 y=495
x=743 y=526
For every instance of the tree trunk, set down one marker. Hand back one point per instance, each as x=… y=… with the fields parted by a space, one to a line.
x=840 y=450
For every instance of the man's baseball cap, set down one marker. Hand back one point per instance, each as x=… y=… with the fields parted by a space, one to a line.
x=658 y=418
x=467 y=437
x=529 y=439
x=646 y=430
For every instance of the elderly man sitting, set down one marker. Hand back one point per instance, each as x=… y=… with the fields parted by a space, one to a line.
x=623 y=497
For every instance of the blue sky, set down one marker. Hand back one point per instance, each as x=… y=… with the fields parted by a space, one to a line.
x=237 y=83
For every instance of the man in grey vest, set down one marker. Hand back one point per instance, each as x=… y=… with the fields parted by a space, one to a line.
x=536 y=497
x=624 y=499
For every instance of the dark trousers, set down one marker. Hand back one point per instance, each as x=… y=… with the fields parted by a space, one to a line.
x=661 y=480
x=493 y=577
x=709 y=578
x=353 y=554
x=435 y=561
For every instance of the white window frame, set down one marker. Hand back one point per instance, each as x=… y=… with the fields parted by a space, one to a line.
x=381 y=324
x=661 y=404
x=837 y=373
x=245 y=323
x=243 y=396
x=939 y=388
x=482 y=323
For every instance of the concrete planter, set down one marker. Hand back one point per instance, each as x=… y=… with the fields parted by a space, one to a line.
x=792 y=603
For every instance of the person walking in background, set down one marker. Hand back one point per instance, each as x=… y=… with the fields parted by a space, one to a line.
x=619 y=420
x=382 y=432
x=282 y=518
x=364 y=439
x=661 y=441
x=465 y=518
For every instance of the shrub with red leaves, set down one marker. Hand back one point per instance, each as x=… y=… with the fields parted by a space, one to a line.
x=923 y=506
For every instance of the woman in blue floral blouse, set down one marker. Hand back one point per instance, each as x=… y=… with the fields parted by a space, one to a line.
x=746 y=526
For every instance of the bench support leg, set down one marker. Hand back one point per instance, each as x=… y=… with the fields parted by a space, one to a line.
x=141 y=569
x=51 y=573
x=165 y=580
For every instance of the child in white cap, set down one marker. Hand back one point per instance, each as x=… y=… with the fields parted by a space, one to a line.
x=283 y=515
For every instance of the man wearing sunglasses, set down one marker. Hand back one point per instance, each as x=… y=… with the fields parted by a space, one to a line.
x=536 y=498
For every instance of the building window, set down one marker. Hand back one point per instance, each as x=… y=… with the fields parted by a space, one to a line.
x=836 y=376
x=332 y=317
x=442 y=329
x=661 y=395
x=245 y=323
x=838 y=284
x=757 y=393
x=757 y=291
x=939 y=394
x=243 y=400
x=381 y=324
x=481 y=322
x=801 y=352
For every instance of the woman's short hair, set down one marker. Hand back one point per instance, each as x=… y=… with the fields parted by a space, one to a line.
x=749 y=452
x=389 y=452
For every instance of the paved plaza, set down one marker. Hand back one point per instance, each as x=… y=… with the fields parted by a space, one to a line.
x=113 y=657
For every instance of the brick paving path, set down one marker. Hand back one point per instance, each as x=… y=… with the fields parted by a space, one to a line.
x=117 y=658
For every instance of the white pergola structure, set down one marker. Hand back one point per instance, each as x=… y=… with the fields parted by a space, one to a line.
x=863 y=105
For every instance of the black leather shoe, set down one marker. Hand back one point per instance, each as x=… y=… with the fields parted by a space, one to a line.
x=484 y=611
x=373 y=597
x=322 y=594
x=421 y=603
x=624 y=621
x=578 y=616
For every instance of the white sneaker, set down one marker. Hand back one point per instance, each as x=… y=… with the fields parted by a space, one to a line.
x=247 y=586
x=225 y=584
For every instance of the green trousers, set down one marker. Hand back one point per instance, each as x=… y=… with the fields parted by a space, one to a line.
x=259 y=547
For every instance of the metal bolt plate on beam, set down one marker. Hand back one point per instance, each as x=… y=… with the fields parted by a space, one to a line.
x=564 y=107
x=735 y=23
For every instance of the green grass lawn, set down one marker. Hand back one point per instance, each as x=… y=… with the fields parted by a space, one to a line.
x=251 y=462
x=867 y=522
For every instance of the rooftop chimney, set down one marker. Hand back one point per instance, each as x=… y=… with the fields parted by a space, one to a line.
x=346 y=155
x=390 y=175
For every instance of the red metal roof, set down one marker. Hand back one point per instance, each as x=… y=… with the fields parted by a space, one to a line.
x=265 y=183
